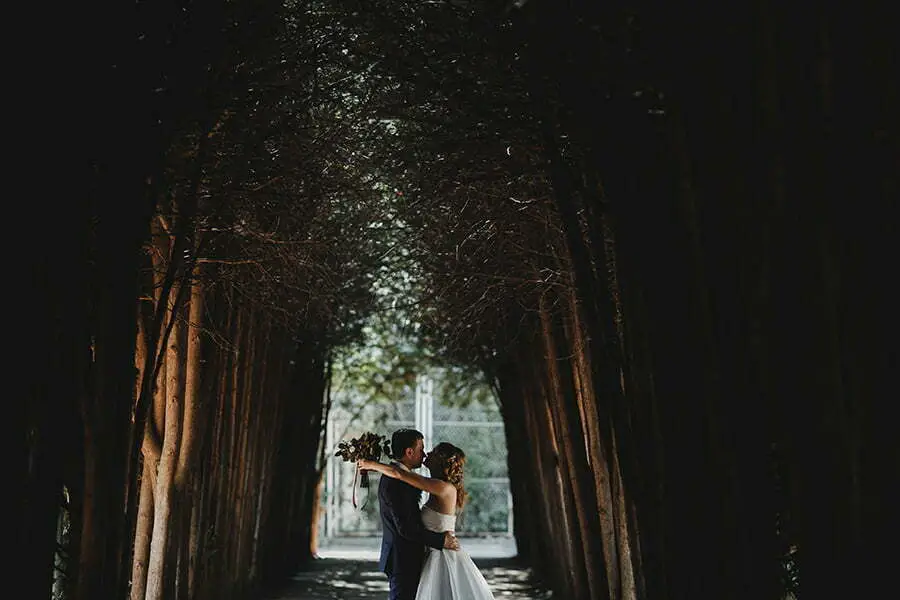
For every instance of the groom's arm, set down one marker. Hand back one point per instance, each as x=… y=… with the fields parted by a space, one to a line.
x=403 y=510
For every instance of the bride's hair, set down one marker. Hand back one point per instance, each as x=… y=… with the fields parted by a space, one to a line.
x=450 y=468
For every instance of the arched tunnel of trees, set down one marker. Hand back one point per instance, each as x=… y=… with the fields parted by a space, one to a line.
x=661 y=232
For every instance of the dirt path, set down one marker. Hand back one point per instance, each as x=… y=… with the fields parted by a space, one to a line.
x=355 y=579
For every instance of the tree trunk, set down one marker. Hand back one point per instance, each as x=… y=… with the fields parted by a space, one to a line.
x=194 y=544
x=142 y=536
x=165 y=490
x=188 y=449
x=586 y=534
x=150 y=450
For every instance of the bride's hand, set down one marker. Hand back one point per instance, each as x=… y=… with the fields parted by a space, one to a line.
x=450 y=541
x=363 y=464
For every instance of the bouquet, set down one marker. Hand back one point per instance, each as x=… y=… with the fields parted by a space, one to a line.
x=369 y=446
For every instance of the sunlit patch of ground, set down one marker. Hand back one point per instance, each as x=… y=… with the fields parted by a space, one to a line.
x=349 y=571
x=367 y=548
x=509 y=580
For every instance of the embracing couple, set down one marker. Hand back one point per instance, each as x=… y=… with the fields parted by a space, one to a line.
x=419 y=551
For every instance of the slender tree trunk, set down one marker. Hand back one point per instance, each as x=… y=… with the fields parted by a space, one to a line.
x=188 y=448
x=260 y=442
x=142 y=536
x=249 y=482
x=606 y=500
x=151 y=450
x=575 y=467
x=165 y=490
x=194 y=544
x=192 y=403
x=512 y=409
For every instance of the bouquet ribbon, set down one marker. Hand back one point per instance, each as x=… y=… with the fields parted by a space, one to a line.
x=368 y=445
x=362 y=484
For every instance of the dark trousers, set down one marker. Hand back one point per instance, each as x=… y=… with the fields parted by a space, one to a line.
x=403 y=587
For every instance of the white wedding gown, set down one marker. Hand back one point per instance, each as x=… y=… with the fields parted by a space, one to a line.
x=449 y=574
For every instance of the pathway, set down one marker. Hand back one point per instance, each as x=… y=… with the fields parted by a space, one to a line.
x=348 y=570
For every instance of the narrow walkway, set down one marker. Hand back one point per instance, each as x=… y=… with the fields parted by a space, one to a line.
x=348 y=570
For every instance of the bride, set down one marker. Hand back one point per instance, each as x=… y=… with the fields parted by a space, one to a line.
x=445 y=575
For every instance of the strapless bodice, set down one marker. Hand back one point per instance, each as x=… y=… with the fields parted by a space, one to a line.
x=435 y=521
x=449 y=574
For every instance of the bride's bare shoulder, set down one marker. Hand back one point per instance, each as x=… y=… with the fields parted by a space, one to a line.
x=444 y=488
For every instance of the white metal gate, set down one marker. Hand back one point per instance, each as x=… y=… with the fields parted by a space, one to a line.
x=478 y=430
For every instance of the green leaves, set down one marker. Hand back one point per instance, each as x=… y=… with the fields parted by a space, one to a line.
x=369 y=446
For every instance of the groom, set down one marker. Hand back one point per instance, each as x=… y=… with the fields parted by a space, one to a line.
x=404 y=537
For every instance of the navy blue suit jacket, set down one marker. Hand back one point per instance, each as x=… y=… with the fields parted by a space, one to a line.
x=404 y=537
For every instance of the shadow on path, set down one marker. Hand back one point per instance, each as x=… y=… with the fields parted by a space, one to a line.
x=356 y=577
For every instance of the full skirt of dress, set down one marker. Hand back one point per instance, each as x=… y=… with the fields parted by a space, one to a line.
x=451 y=575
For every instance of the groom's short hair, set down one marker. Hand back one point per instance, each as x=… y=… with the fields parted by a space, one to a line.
x=403 y=439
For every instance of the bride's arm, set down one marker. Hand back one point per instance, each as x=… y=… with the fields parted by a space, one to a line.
x=427 y=484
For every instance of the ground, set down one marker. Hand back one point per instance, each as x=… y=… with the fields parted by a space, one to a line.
x=347 y=570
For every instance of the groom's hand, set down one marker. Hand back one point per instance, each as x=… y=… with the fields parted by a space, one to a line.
x=450 y=541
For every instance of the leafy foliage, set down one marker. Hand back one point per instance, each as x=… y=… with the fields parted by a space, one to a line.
x=369 y=446
x=470 y=232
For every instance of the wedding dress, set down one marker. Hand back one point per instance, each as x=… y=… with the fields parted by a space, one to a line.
x=449 y=574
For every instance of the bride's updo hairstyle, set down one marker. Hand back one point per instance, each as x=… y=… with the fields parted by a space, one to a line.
x=448 y=461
